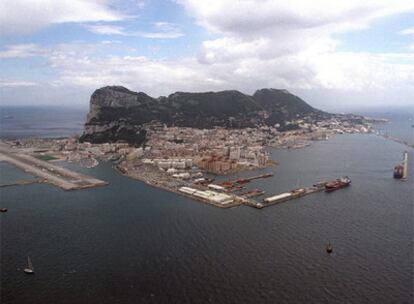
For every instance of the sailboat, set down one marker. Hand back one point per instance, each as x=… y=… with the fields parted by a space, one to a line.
x=329 y=248
x=29 y=269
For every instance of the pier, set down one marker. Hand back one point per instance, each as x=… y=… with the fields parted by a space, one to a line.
x=50 y=173
x=293 y=194
x=234 y=184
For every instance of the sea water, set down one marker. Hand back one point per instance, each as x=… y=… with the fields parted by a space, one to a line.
x=131 y=243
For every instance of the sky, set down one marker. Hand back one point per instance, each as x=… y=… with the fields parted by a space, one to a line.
x=336 y=55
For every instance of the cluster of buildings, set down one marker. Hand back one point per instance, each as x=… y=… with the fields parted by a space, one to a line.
x=183 y=152
x=218 y=150
x=217 y=198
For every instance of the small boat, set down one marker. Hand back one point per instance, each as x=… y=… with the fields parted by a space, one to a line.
x=29 y=269
x=329 y=248
x=3 y=209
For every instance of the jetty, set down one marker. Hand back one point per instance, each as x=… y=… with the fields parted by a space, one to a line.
x=294 y=194
x=290 y=195
x=236 y=184
x=50 y=173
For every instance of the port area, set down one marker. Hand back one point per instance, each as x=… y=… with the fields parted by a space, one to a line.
x=197 y=188
x=223 y=194
x=47 y=172
x=290 y=195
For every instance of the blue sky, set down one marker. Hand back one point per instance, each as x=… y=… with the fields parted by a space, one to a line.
x=59 y=52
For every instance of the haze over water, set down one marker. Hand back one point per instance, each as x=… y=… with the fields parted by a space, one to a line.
x=131 y=243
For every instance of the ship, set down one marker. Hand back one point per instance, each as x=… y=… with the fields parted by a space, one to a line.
x=398 y=171
x=337 y=184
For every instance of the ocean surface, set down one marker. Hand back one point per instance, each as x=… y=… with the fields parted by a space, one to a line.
x=131 y=243
x=18 y=122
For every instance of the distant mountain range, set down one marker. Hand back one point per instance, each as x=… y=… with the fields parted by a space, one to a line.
x=118 y=114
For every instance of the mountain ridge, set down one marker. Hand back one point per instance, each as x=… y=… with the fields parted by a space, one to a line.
x=119 y=114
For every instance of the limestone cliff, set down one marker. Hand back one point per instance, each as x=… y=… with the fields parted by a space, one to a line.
x=118 y=114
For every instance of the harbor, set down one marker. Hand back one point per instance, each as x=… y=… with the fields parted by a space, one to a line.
x=223 y=198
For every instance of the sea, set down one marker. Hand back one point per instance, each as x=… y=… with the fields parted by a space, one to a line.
x=128 y=242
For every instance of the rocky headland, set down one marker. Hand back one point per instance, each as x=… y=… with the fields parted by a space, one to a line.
x=120 y=115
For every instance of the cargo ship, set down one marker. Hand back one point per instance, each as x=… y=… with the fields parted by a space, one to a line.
x=337 y=184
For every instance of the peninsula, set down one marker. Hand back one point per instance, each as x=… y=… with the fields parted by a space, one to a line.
x=177 y=142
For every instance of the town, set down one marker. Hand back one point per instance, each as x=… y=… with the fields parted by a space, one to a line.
x=183 y=160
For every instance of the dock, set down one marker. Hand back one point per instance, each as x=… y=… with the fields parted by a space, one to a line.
x=50 y=173
x=293 y=194
x=299 y=192
x=234 y=184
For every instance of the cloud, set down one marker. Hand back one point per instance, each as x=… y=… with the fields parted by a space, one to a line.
x=291 y=44
x=22 y=17
x=21 y=51
x=107 y=29
x=16 y=83
x=408 y=31
x=254 y=44
x=162 y=30
x=246 y=17
x=80 y=65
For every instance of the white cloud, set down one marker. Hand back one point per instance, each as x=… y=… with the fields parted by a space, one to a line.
x=246 y=17
x=78 y=64
x=16 y=83
x=103 y=29
x=408 y=31
x=21 y=17
x=21 y=51
x=289 y=44
x=162 y=30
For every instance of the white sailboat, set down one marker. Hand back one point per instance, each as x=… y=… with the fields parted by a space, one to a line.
x=29 y=269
